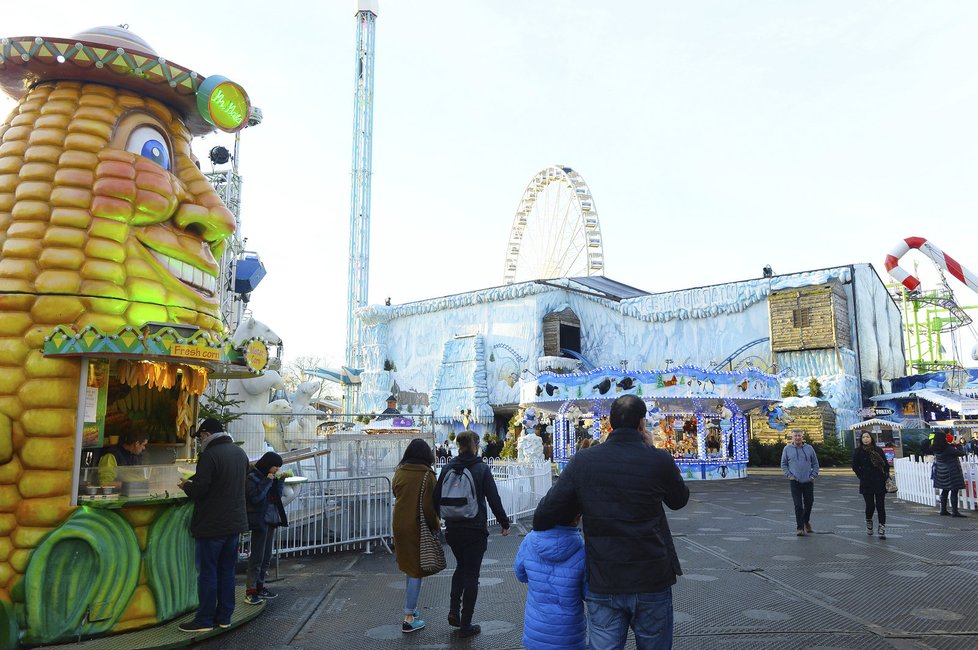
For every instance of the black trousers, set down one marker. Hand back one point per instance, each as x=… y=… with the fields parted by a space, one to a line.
x=468 y=546
x=803 y=494
x=954 y=500
x=876 y=502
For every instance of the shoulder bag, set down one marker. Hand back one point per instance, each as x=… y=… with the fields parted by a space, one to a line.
x=891 y=486
x=432 y=553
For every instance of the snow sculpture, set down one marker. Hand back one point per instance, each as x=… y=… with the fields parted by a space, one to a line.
x=529 y=448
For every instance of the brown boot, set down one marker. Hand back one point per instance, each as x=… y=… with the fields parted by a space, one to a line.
x=808 y=528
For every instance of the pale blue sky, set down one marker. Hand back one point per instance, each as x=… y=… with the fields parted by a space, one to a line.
x=716 y=137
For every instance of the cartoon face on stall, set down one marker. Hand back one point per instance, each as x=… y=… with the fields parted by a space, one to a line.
x=133 y=226
x=105 y=217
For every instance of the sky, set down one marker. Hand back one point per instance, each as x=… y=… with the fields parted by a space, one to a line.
x=715 y=137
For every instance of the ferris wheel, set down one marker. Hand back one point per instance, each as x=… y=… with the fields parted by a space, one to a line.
x=555 y=231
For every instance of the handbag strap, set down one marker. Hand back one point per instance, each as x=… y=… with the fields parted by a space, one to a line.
x=421 y=517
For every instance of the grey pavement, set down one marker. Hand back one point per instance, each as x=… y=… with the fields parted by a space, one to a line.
x=749 y=582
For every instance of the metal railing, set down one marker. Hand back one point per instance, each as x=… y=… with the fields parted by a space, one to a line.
x=352 y=451
x=341 y=514
x=338 y=514
x=914 y=482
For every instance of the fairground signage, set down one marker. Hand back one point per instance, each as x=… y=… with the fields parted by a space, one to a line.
x=874 y=411
x=223 y=103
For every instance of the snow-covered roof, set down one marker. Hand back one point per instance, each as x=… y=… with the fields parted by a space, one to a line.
x=954 y=424
x=963 y=404
x=876 y=422
x=460 y=384
x=698 y=302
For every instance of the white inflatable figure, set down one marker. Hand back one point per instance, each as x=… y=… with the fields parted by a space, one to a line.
x=529 y=448
x=303 y=396
x=274 y=423
x=254 y=392
x=252 y=328
x=303 y=424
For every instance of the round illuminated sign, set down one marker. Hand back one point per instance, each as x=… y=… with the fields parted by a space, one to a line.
x=255 y=355
x=223 y=103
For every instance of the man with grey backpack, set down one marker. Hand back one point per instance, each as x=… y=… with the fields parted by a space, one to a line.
x=464 y=487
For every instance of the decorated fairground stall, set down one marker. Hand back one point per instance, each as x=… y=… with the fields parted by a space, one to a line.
x=698 y=415
x=110 y=324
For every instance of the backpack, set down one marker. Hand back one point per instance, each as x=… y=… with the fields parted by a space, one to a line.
x=458 y=497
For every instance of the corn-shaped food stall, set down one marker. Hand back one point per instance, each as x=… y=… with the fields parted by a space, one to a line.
x=110 y=241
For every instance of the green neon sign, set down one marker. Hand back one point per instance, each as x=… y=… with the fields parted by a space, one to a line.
x=223 y=103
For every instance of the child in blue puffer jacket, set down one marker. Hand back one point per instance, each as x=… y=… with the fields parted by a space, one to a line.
x=552 y=563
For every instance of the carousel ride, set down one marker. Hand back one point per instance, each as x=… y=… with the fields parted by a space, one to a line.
x=699 y=415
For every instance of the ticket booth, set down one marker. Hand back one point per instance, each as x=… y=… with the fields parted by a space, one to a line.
x=885 y=433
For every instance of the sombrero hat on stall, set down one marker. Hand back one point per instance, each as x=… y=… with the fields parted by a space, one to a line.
x=117 y=57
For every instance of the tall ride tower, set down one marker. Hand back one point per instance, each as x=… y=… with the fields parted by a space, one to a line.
x=363 y=125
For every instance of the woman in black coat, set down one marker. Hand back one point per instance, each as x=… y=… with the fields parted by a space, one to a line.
x=948 y=476
x=869 y=464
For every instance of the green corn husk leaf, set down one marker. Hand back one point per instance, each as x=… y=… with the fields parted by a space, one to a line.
x=81 y=578
x=169 y=562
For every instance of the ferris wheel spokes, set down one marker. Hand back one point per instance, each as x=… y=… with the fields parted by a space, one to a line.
x=555 y=232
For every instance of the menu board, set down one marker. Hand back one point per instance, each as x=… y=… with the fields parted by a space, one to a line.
x=96 y=395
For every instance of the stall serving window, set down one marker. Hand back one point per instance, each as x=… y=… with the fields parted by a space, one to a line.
x=138 y=416
x=137 y=404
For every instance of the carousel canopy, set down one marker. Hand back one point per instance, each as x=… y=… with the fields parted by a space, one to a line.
x=675 y=389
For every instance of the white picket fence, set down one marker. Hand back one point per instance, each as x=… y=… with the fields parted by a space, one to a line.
x=915 y=484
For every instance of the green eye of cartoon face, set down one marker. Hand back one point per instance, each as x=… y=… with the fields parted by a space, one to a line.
x=149 y=143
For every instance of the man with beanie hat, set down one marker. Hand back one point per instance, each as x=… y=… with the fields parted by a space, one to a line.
x=218 y=493
x=265 y=513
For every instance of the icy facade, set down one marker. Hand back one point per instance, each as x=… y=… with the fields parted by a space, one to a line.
x=700 y=327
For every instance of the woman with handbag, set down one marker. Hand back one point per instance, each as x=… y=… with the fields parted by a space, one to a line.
x=415 y=526
x=870 y=465
x=948 y=476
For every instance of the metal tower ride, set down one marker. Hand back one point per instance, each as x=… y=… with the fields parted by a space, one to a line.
x=363 y=122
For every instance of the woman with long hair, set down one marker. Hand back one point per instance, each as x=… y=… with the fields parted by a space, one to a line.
x=413 y=472
x=870 y=465
x=948 y=477
x=467 y=534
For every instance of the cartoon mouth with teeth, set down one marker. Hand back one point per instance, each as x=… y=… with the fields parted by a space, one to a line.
x=147 y=179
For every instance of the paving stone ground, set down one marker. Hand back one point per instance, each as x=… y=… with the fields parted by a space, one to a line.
x=750 y=583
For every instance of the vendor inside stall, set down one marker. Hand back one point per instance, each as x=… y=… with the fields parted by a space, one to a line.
x=128 y=452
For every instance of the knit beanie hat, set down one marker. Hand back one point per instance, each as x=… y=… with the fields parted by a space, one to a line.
x=267 y=462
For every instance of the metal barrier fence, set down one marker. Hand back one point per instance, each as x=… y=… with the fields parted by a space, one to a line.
x=338 y=515
x=914 y=482
x=286 y=430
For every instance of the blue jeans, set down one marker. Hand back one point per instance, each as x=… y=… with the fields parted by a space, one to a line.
x=648 y=614
x=803 y=495
x=413 y=592
x=216 y=559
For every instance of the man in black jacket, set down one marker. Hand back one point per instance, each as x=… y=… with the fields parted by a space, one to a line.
x=219 y=518
x=620 y=487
